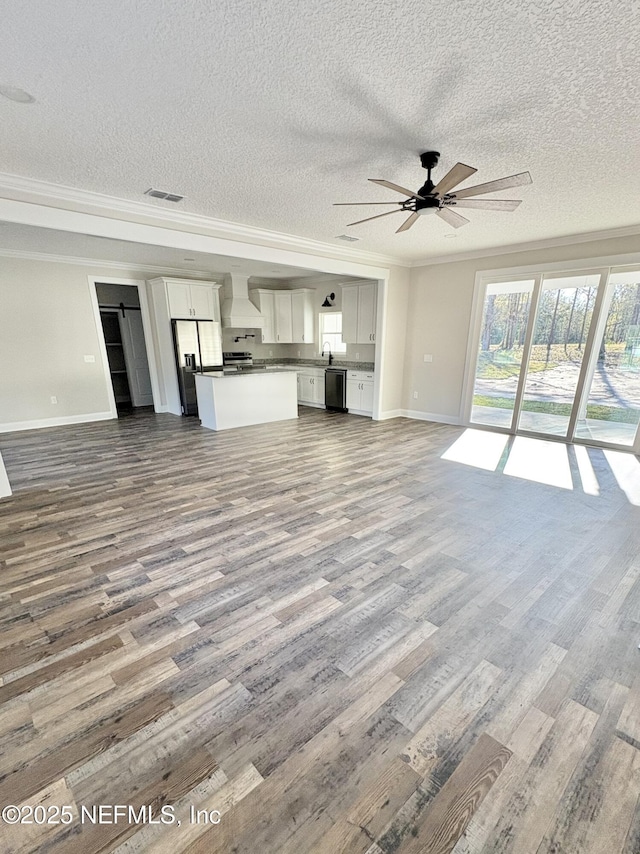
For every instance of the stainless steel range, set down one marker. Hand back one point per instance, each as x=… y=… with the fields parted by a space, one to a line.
x=242 y=360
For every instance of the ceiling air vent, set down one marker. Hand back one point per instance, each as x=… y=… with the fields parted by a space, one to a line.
x=160 y=194
x=348 y=237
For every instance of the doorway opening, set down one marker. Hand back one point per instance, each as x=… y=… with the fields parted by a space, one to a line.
x=124 y=338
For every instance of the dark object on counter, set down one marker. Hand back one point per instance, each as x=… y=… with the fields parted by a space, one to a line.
x=335 y=389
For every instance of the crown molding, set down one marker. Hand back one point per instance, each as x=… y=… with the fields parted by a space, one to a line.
x=533 y=246
x=23 y=255
x=20 y=188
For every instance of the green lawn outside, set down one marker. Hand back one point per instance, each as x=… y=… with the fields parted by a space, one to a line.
x=597 y=413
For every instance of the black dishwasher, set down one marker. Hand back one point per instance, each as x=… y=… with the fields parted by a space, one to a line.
x=335 y=389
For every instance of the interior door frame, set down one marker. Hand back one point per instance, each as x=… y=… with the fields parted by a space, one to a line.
x=596 y=328
x=141 y=285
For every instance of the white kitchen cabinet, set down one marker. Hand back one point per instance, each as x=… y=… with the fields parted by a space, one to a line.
x=283 y=318
x=359 y=313
x=198 y=302
x=311 y=387
x=360 y=392
x=350 y=314
x=288 y=315
x=302 y=316
x=366 y=314
x=264 y=301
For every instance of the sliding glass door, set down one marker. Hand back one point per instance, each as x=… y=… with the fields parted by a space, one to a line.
x=610 y=408
x=502 y=337
x=562 y=323
x=559 y=356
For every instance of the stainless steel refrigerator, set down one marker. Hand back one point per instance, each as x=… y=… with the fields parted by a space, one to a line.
x=198 y=346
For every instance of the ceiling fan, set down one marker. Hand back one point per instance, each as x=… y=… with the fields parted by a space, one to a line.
x=442 y=199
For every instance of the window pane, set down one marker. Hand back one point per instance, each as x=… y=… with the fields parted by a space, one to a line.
x=331 y=332
x=611 y=409
x=504 y=324
x=562 y=324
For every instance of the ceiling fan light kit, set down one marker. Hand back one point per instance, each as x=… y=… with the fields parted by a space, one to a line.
x=442 y=198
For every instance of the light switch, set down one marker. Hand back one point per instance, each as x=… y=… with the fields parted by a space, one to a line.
x=89 y=358
x=428 y=357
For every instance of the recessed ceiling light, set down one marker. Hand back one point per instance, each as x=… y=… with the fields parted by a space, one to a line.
x=17 y=95
x=348 y=237
x=188 y=259
x=451 y=236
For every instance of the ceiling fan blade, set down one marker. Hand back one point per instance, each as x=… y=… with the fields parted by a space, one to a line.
x=368 y=219
x=337 y=204
x=406 y=225
x=452 y=217
x=518 y=180
x=454 y=176
x=488 y=204
x=397 y=187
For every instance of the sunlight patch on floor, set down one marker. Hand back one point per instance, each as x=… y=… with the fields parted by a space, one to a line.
x=478 y=448
x=626 y=470
x=550 y=463
x=540 y=461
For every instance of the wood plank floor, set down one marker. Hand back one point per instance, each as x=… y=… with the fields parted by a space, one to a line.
x=320 y=629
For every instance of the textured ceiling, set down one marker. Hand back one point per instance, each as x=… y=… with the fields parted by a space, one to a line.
x=264 y=113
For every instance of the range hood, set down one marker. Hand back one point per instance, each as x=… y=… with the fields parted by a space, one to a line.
x=237 y=310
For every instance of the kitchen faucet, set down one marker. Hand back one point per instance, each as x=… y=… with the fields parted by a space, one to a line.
x=328 y=346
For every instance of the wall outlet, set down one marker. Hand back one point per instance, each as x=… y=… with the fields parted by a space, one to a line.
x=357 y=357
x=415 y=395
x=89 y=358
x=271 y=352
x=54 y=399
x=298 y=352
x=428 y=357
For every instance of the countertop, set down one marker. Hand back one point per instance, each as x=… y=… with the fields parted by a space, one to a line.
x=247 y=372
x=277 y=369
x=299 y=364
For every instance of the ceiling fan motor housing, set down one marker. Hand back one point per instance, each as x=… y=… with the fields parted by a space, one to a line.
x=428 y=159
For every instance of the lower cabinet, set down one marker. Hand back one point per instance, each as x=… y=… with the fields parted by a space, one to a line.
x=360 y=392
x=311 y=387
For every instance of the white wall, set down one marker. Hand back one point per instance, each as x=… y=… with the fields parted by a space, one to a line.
x=439 y=313
x=391 y=356
x=47 y=327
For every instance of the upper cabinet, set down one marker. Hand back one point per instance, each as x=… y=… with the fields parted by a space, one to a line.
x=264 y=301
x=359 y=313
x=284 y=322
x=302 y=316
x=194 y=301
x=288 y=315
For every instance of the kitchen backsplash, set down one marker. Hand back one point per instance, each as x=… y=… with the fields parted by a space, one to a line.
x=357 y=355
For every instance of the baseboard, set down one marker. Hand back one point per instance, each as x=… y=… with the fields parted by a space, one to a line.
x=5 y=486
x=15 y=426
x=390 y=413
x=430 y=416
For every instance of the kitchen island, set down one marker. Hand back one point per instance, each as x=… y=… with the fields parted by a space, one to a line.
x=241 y=398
